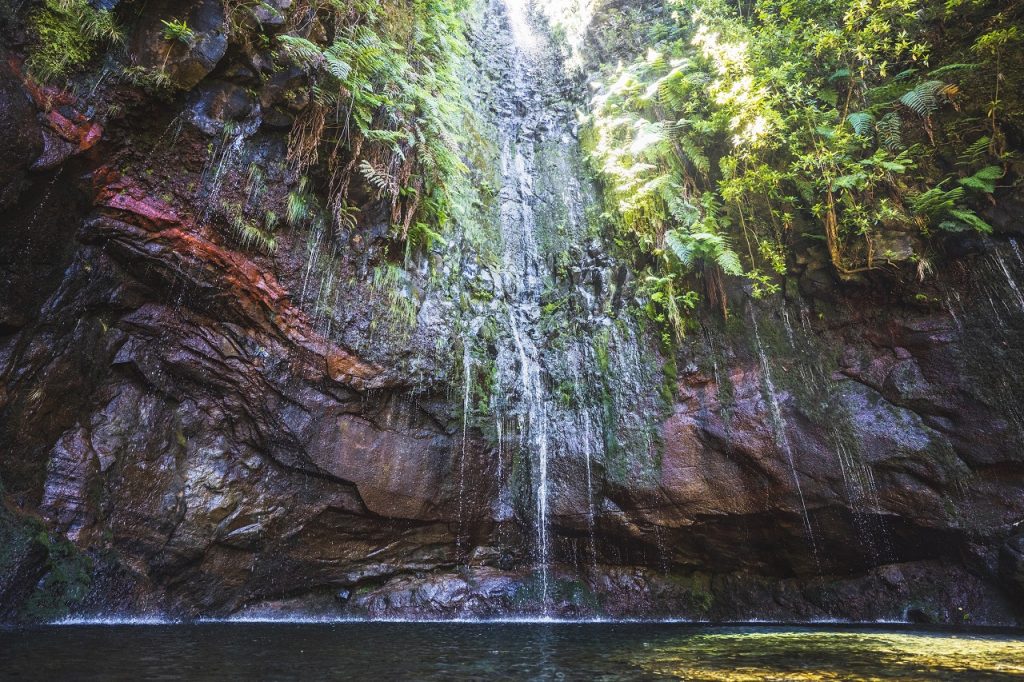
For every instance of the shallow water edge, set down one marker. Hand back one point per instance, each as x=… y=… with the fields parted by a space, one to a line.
x=516 y=651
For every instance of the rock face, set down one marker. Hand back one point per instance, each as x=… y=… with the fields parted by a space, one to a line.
x=184 y=430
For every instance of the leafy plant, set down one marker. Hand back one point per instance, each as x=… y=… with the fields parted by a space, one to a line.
x=387 y=113
x=67 y=34
x=734 y=124
x=862 y=122
x=178 y=30
x=925 y=99
x=984 y=180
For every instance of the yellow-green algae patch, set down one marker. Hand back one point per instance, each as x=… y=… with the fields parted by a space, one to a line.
x=738 y=656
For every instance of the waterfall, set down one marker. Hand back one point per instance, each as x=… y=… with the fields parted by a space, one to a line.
x=575 y=401
x=537 y=439
x=1011 y=281
x=467 y=381
x=591 y=518
x=520 y=128
x=779 y=426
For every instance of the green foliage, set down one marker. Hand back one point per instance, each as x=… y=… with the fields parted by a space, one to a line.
x=387 y=111
x=984 y=180
x=300 y=204
x=862 y=122
x=66 y=582
x=890 y=132
x=944 y=209
x=692 y=247
x=67 y=34
x=155 y=81
x=925 y=98
x=391 y=285
x=249 y=233
x=179 y=31
x=736 y=123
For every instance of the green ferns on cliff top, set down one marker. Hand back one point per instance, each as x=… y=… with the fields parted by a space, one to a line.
x=748 y=126
x=386 y=111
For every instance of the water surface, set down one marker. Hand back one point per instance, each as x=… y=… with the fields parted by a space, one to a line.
x=526 y=651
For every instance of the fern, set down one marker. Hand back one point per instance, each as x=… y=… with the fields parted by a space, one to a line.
x=729 y=261
x=971 y=219
x=943 y=206
x=862 y=123
x=301 y=50
x=975 y=152
x=696 y=155
x=250 y=235
x=924 y=100
x=682 y=246
x=688 y=248
x=950 y=68
x=851 y=182
x=936 y=201
x=839 y=74
x=382 y=181
x=299 y=207
x=336 y=65
x=890 y=131
x=984 y=180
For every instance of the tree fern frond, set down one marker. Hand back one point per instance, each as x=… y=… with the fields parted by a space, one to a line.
x=682 y=247
x=729 y=261
x=301 y=50
x=337 y=66
x=862 y=122
x=936 y=201
x=890 y=131
x=923 y=100
x=975 y=151
x=971 y=219
x=382 y=181
x=949 y=68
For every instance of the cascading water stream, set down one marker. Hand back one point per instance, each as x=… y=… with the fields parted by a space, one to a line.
x=779 y=424
x=572 y=398
x=537 y=440
x=591 y=514
x=518 y=123
x=467 y=386
x=1011 y=281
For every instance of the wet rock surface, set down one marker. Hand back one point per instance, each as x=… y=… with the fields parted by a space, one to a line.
x=183 y=430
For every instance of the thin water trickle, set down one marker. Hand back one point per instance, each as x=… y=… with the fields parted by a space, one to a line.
x=1017 y=251
x=41 y=204
x=779 y=424
x=1011 y=281
x=591 y=516
x=226 y=153
x=534 y=395
x=467 y=381
x=951 y=307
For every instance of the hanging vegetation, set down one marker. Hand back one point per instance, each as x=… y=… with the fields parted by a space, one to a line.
x=386 y=111
x=747 y=127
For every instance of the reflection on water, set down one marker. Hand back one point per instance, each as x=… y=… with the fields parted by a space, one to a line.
x=535 y=651
x=822 y=655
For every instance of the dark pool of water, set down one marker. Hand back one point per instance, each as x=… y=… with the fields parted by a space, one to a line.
x=534 y=651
